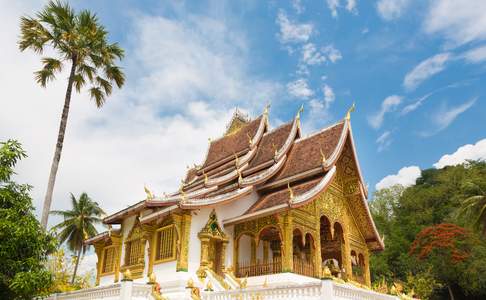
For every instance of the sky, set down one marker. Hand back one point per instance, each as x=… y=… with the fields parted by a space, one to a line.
x=415 y=70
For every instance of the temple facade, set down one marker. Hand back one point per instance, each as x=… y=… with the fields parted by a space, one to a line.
x=265 y=207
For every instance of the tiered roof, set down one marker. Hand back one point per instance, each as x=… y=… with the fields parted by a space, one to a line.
x=285 y=169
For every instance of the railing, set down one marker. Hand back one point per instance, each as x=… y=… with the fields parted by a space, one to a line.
x=304 y=267
x=260 y=268
x=345 y=291
x=93 y=293
x=308 y=292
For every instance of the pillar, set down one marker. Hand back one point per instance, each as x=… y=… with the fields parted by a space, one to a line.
x=346 y=255
x=253 y=252
x=317 y=252
x=287 y=245
x=117 y=241
x=367 y=274
x=265 y=252
x=99 y=263
x=185 y=232
x=204 y=256
x=224 y=246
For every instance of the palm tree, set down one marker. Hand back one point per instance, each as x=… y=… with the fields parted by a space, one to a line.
x=79 y=40
x=78 y=225
x=473 y=208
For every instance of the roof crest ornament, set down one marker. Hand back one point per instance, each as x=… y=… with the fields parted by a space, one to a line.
x=291 y=192
x=267 y=107
x=301 y=110
x=323 y=157
x=205 y=177
x=350 y=110
x=240 y=178
x=237 y=160
x=275 y=150
x=250 y=140
x=149 y=194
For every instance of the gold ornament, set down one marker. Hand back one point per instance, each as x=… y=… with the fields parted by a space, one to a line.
x=127 y=275
x=350 y=110
x=152 y=278
x=149 y=194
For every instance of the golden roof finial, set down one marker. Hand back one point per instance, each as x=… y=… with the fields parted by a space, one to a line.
x=350 y=110
x=237 y=160
x=205 y=177
x=275 y=150
x=149 y=194
x=291 y=193
x=301 y=110
x=109 y=230
x=209 y=286
x=240 y=178
x=323 y=157
x=250 y=140
x=265 y=111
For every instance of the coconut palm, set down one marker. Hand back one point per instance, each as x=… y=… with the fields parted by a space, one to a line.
x=473 y=208
x=80 y=42
x=78 y=225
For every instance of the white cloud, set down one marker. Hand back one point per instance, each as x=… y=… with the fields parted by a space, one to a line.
x=459 y=21
x=298 y=6
x=413 y=106
x=312 y=56
x=388 y=105
x=384 y=141
x=462 y=154
x=406 y=176
x=183 y=78
x=476 y=55
x=334 y=5
x=299 y=88
x=447 y=115
x=291 y=32
x=329 y=96
x=425 y=70
x=391 y=9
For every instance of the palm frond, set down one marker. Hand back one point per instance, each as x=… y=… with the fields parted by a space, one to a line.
x=79 y=82
x=105 y=84
x=115 y=74
x=97 y=95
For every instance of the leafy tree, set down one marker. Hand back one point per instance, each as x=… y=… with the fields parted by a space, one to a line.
x=62 y=270
x=473 y=207
x=78 y=225
x=24 y=245
x=81 y=42
x=436 y=198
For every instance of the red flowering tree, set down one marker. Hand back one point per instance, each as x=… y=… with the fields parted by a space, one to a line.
x=446 y=240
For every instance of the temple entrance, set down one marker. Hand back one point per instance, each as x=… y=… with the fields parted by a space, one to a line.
x=213 y=247
x=303 y=254
x=331 y=245
x=216 y=257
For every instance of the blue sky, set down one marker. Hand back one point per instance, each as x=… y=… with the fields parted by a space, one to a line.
x=376 y=46
x=415 y=69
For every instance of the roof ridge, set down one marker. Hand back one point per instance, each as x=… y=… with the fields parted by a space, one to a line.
x=279 y=127
x=319 y=131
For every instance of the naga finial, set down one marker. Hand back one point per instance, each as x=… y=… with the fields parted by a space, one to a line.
x=250 y=140
x=275 y=150
x=240 y=178
x=109 y=230
x=301 y=110
x=265 y=111
x=291 y=192
x=149 y=194
x=350 y=110
x=323 y=157
x=237 y=160
x=205 y=177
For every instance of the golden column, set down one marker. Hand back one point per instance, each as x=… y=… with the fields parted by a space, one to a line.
x=287 y=245
x=185 y=231
x=367 y=274
x=265 y=251
x=117 y=241
x=99 y=264
x=346 y=255
x=253 y=252
x=224 y=246
x=204 y=256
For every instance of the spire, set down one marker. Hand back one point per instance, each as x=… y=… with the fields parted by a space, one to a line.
x=323 y=157
x=291 y=193
x=350 y=110
x=238 y=120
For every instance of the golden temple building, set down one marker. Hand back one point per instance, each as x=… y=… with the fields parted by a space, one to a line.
x=266 y=205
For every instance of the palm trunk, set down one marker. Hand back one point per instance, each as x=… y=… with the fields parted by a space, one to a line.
x=77 y=264
x=450 y=292
x=57 y=153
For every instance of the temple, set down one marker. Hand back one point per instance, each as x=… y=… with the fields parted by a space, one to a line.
x=265 y=207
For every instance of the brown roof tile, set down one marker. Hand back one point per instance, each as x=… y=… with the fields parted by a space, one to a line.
x=305 y=155
x=271 y=141
x=282 y=196
x=233 y=143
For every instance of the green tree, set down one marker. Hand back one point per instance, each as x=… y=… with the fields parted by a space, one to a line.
x=24 y=245
x=79 y=40
x=473 y=207
x=78 y=225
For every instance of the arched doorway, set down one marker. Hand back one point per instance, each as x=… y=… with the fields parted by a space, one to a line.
x=332 y=242
x=213 y=247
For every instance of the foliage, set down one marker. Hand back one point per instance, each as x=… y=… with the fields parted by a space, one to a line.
x=62 y=271
x=78 y=225
x=24 y=246
x=402 y=213
x=422 y=284
x=79 y=39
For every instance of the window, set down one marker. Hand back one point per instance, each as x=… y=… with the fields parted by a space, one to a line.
x=165 y=243
x=108 y=260
x=134 y=252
